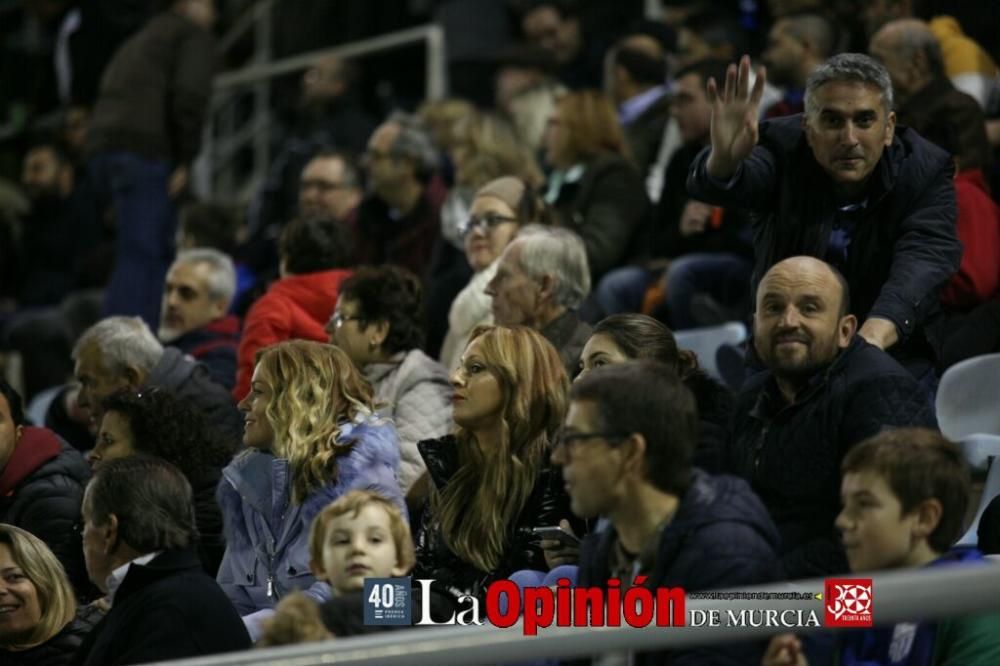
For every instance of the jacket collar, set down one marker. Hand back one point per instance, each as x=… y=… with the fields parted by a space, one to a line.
x=166 y=564
x=770 y=401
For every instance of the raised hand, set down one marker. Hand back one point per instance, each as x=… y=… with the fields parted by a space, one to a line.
x=734 y=118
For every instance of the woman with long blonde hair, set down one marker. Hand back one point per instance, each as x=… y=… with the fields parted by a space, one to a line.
x=311 y=436
x=491 y=479
x=42 y=623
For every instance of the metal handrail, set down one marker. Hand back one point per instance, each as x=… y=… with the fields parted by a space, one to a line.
x=911 y=595
x=218 y=148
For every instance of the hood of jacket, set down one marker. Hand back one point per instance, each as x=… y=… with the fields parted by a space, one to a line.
x=312 y=295
x=402 y=372
x=40 y=453
x=257 y=481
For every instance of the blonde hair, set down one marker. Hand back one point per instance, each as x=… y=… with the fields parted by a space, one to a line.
x=296 y=619
x=494 y=149
x=46 y=573
x=592 y=127
x=352 y=503
x=316 y=388
x=478 y=507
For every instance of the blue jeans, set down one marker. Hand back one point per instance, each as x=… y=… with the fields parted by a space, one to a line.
x=620 y=290
x=136 y=188
x=723 y=276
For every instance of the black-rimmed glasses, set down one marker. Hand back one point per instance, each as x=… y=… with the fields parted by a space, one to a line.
x=485 y=222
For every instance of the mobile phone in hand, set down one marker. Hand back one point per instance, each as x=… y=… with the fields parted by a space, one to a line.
x=555 y=533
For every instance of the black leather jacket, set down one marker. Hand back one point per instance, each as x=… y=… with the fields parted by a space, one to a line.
x=546 y=506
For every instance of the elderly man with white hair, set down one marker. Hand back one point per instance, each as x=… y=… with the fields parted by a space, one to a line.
x=122 y=353
x=541 y=279
x=193 y=315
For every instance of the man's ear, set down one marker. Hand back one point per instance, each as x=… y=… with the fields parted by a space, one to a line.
x=847 y=327
x=110 y=533
x=635 y=453
x=890 y=128
x=928 y=515
x=133 y=376
x=547 y=286
x=18 y=431
x=381 y=332
x=219 y=308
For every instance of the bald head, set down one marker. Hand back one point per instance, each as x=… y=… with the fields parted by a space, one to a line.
x=801 y=322
x=910 y=53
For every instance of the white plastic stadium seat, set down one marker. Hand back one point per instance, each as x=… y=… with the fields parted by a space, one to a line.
x=704 y=342
x=968 y=412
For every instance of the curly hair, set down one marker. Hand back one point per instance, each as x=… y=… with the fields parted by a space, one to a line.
x=316 y=389
x=481 y=502
x=310 y=245
x=172 y=428
x=393 y=295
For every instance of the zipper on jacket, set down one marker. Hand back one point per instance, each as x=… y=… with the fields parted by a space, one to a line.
x=270 y=586
x=759 y=448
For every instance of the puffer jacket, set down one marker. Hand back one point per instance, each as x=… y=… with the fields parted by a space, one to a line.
x=715 y=410
x=791 y=454
x=41 y=489
x=414 y=391
x=267 y=535
x=720 y=537
x=546 y=506
x=61 y=648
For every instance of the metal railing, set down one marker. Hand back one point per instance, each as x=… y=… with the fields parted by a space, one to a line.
x=912 y=595
x=216 y=172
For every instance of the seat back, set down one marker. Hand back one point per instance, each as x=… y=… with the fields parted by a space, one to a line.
x=704 y=342
x=968 y=398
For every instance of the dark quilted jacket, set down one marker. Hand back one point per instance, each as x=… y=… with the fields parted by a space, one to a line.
x=546 y=506
x=720 y=537
x=715 y=411
x=58 y=650
x=47 y=504
x=792 y=454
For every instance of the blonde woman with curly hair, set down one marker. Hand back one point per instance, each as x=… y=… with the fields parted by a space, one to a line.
x=491 y=479
x=42 y=623
x=311 y=436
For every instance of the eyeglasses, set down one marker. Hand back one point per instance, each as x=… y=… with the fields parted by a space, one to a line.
x=323 y=186
x=337 y=320
x=570 y=441
x=486 y=222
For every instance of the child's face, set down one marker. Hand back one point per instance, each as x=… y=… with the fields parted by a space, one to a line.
x=876 y=533
x=358 y=547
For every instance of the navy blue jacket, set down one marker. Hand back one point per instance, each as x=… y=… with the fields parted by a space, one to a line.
x=791 y=454
x=720 y=537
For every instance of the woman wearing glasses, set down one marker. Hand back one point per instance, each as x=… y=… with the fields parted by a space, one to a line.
x=379 y=324
x=162 y=424
x=491 y=479
x=499 y=209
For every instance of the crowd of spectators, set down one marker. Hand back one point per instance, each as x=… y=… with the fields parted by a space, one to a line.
x=433 y=328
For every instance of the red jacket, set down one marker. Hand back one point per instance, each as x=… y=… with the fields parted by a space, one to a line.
x=978 y=278
x=294 y=308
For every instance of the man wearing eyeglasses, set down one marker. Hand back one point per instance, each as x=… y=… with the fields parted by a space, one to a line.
x=625 y=454
x=329 y=187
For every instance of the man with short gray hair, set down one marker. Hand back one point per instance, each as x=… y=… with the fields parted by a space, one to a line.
x=542 y=277
x=139 y=540
x=121 y=352
x=193 y=317
x=842 y=183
